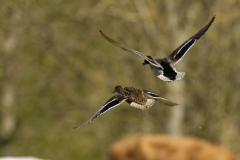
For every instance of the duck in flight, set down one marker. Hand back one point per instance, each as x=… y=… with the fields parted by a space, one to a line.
x=164 y=67
x=134 y=96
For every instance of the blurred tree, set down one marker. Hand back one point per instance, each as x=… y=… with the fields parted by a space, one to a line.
x=59 y=71
x=7 y=118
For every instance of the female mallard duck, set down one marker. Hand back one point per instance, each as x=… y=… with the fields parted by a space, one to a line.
x=134 y=96
x=164 y=67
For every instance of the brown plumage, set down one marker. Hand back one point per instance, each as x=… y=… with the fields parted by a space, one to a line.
x=134 y=96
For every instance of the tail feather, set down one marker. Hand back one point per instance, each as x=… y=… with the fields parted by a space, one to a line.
x=164 y=78
x=180 y=75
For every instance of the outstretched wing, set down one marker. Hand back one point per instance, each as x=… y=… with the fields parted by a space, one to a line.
x=160 y=99
x=130 y=50
x=179 y=53
x=111 y=103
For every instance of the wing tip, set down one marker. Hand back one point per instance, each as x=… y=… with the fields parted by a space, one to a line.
x=102 y=33
x=76 y=127
x=175 y=104
x=172 y=104
x=213 y=16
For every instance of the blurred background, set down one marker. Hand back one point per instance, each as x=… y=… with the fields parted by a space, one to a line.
x=56 y=71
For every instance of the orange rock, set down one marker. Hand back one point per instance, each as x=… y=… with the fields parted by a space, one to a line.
x=164 y=147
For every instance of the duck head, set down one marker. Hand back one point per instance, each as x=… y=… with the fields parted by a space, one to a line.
x=117 y=89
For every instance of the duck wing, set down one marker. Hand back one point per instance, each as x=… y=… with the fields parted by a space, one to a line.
x=111 y=103
x=181 y=51
x=160 y=99
x=153 y=62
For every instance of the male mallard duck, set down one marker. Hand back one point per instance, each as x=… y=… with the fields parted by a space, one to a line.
x=134 y=96
x=164 y=67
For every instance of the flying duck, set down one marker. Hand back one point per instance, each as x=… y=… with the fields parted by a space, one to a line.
x=164 y=67
x=134 y=96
